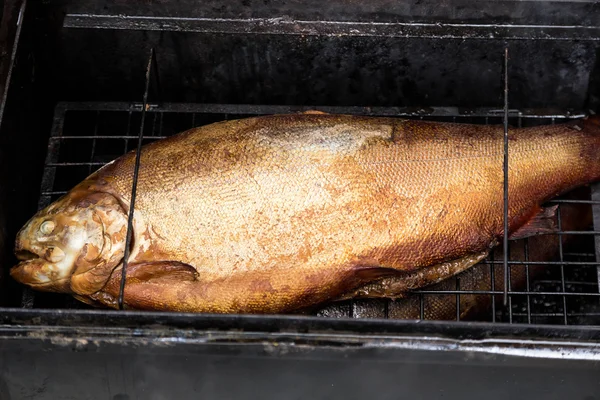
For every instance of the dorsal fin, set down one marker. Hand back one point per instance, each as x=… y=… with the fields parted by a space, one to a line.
x=314 y=112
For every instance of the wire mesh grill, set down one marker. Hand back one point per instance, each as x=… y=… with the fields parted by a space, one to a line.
x=561 y=288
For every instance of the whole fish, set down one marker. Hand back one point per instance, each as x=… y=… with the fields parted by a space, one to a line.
x=276 y=213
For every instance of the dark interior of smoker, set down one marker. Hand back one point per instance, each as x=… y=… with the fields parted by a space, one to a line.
x=77 y=84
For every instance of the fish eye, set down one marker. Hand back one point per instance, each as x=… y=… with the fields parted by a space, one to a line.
x=47 y=227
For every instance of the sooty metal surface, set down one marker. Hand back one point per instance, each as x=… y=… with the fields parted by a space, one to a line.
x=326 y=28
x=450 y=19
x=87 y=135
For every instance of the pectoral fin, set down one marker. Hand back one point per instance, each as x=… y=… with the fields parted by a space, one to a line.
x=164 y=271
x=140 y=276
x=89 y=301
x=543 y=222
x=399 y=286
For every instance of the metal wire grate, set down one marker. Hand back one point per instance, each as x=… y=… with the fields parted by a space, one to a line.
x=563 y=290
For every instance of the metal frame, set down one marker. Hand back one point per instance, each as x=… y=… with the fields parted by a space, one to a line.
x=123 y=355
x=427 y=19
x=53 y=353
x=49 y=353
x=575 y=343
x=274 y=26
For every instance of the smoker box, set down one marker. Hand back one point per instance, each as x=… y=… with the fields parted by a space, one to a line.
x=81 y=80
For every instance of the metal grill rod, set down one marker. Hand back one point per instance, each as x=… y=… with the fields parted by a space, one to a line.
x=562 y=267
x=595 y=196
x=288 y=26
x=134 y=185
x=505 y=168
x=521 y=262
x=527 y=283
x=258 y=109
x=13 y=56
x=509 y=292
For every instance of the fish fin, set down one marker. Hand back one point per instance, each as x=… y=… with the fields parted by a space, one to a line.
x=314 y=112
x=397 y=286
x=139 y=275
x=591 y=122
x=87 y=300
x=543 y=222
x=368 y=269
x=159 y=270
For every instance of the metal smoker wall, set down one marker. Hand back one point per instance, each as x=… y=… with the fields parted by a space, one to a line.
x=351 y=71
x=205 y=354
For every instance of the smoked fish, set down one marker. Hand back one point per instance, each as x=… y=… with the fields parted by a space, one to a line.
x=276 y=213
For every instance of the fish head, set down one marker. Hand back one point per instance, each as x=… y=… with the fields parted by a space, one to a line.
x=72 y=245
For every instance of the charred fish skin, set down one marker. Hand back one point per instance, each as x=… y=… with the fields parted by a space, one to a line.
x=282 y=212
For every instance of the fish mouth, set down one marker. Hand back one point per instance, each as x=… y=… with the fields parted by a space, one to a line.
x=50 y=253
x=30 y=271
x=26 y=255
x=37 y=273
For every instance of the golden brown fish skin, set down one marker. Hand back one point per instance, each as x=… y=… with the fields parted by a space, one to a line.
x=473 y=307
x=276 y=213
x=574 y=217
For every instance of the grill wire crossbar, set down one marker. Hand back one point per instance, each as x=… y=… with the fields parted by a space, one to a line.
x=87 y=135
